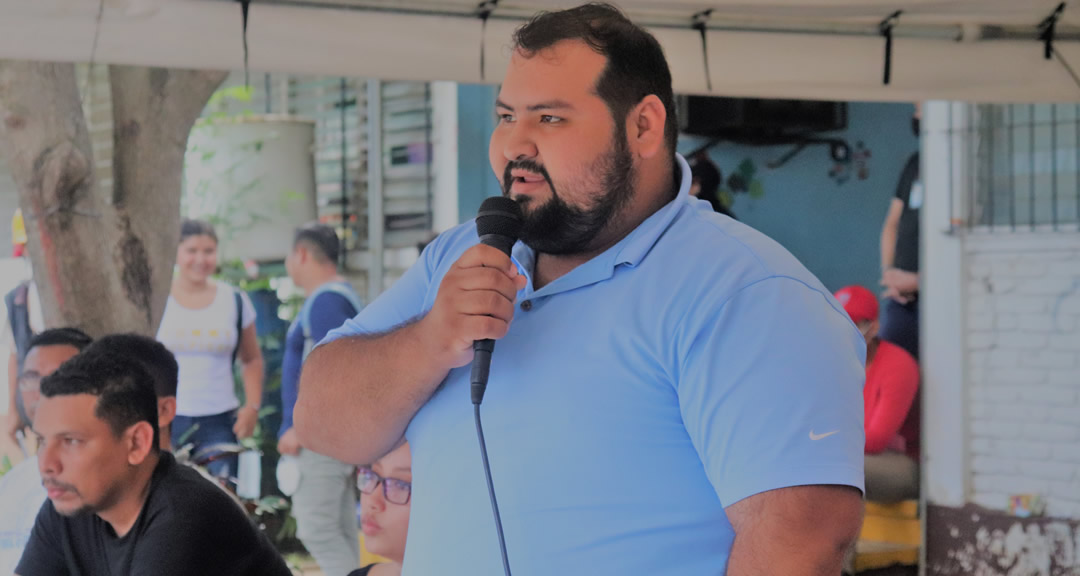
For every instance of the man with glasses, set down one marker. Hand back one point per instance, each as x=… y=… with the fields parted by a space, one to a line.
x=21 y=492
x=891 y=414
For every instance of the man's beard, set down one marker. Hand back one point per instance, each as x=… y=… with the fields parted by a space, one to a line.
x=557 y=228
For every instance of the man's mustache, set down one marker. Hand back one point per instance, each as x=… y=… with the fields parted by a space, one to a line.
x=526 y=166
x=53 y=484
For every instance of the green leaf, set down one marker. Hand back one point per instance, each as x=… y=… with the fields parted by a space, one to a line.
x=747 y=169
x=757 y=189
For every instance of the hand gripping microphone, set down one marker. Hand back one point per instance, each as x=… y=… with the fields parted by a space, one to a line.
x=499 y=224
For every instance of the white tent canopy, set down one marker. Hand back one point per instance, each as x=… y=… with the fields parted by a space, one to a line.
x=979 y=50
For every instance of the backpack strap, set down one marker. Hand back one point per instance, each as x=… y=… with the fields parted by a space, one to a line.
x=341 y=289
x=19 y=319
x=239 y=299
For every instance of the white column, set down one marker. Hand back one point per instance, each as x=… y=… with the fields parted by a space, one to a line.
x=444 y=103
x=945 y=164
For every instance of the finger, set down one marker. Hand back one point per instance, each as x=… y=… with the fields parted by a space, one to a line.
x=487 y=279
x=485 y=303
x=484 y=327
x=487 y=257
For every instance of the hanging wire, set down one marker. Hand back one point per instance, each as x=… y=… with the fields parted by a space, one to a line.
x=86 y=99
x=886 y=29
x=700 y=23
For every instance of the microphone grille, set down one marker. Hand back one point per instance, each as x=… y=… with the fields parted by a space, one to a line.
x=499 y=215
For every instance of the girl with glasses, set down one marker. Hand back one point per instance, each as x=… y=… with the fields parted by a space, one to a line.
x=385 y=494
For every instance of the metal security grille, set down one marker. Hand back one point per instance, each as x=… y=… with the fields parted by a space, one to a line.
x=380 y=203
x=1026 y=172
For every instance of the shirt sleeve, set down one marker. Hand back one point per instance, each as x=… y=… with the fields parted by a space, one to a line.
x=770 y=389
x=908 y=176
x=329 y=311
x=898 y=382
x=248 y=317
x=404 y=301
x=43 y=554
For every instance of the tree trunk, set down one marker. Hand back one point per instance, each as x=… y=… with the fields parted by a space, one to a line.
x=103 y=262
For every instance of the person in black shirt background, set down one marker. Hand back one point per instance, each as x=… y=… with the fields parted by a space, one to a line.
x=900 y=257
x=705 y=180
x=117 y=504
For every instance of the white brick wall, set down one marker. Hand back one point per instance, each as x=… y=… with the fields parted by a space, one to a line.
x=1023 y=368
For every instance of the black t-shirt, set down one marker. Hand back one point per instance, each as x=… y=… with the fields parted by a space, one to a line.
x=910 y=192
x=187 y=527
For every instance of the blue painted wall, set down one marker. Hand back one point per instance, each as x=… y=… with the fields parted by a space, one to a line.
x=833 y=228
x=476 y=121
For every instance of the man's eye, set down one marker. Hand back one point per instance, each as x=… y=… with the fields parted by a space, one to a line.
x=506 y=117
x=548 y=119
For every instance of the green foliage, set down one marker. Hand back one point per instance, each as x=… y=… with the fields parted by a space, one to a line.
x=743 y=180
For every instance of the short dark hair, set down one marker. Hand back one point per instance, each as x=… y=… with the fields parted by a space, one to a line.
x=124 y=388
x=320 y=237
x=191 y=227
x=73 y=337
x=154 y=356
x=636 y=66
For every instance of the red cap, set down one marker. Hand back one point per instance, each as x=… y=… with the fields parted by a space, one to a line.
x=859 y=303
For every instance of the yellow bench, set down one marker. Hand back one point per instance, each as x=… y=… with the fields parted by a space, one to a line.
x=890 y=536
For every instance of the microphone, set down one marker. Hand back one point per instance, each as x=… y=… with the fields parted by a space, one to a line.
x=499 y=224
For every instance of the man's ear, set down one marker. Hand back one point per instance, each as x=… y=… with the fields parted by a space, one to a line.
x=646 y=126
x=140 y=440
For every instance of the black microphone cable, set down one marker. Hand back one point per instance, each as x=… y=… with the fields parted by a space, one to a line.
x=499 y=225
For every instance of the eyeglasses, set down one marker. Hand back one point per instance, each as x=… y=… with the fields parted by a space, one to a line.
x=395 y=491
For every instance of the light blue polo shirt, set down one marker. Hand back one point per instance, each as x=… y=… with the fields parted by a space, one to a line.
x=693 y=364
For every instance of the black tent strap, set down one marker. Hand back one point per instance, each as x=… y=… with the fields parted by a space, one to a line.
x=1047 y=30
x=886 y=30
x=700 y=23
x=244 y=6
x=483 y=12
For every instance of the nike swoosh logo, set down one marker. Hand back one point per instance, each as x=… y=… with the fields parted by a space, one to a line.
x=816 y=437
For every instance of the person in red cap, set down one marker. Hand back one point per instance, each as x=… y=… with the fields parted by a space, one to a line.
x=890 y=408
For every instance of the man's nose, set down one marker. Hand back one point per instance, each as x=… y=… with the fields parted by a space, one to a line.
x=519 y=144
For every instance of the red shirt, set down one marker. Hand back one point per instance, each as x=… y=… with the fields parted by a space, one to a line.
x=889 y=400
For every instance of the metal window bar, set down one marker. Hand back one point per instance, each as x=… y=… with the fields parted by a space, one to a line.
x=1012 y=172
x=1031 y=167
x=991 y=174
x=951 y=163
x=997 y=135
x=343 y=103
x=973 y=156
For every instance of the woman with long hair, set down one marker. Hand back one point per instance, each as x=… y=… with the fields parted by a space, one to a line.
x=209 y=325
